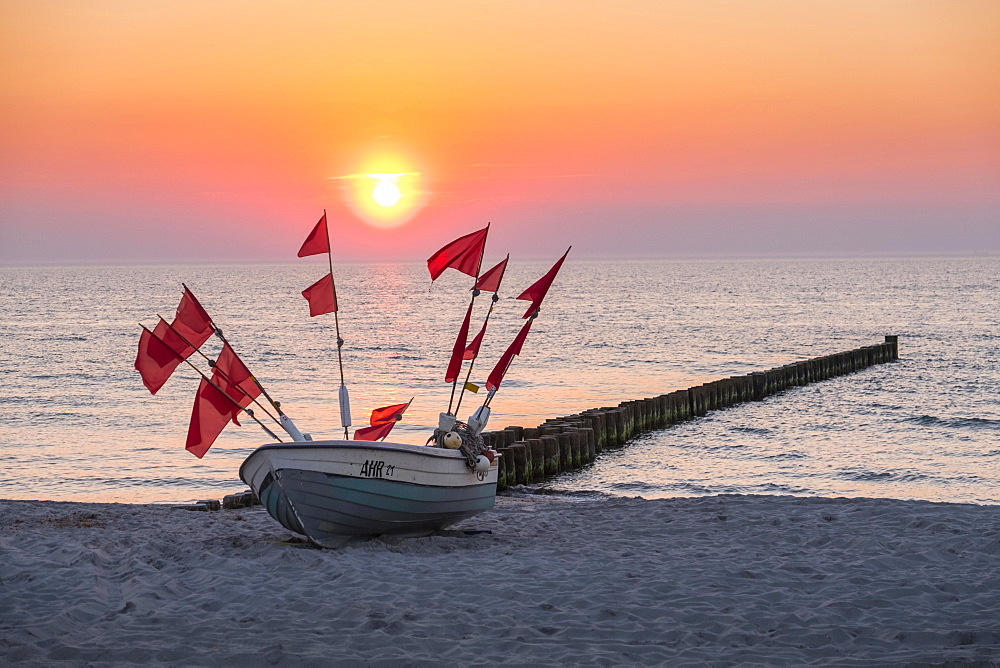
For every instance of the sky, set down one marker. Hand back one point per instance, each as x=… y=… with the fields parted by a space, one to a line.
x=193 y=130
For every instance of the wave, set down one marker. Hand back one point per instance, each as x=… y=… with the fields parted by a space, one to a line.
x=761 y=431
x=785 y=456
x=634 y=486
x=955 y=423
x=562 y=493
x=864 y=475
x=691 y=488
x=127 y=482
x=772 y=488
x=891 y=407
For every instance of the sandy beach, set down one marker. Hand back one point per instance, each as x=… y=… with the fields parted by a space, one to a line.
x=539 y=580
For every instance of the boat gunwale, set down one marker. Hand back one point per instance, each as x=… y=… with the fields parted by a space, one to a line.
x=334 y=444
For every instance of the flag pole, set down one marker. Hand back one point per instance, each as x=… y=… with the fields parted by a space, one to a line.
x=472 y=363
x=212 y=364
x=486 y=320
x=253 y=377
x=336 y=321
x=212 y=383
x=475 y=293
x=218 y=332
x=454 y=383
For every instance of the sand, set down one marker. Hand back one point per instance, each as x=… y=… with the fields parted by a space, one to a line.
x=543 y=580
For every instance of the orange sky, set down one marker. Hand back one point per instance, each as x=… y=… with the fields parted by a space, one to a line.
x=624 y=128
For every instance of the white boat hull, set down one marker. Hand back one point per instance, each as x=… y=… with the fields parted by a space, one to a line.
x=331 y=491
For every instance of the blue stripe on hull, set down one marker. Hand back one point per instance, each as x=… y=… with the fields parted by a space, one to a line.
x=333 y=505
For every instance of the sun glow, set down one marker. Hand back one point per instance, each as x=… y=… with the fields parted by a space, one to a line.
x=385 y=190
x=386 y=193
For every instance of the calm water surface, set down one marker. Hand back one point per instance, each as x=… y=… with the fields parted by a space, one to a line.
x=79 y=425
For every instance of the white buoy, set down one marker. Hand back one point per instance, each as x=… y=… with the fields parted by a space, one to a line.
x=345 y=407
x=446 y=421
x=482 y=464
x=293 y=431
x=479 y=419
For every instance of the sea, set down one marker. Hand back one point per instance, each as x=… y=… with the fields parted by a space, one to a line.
x=78 y=425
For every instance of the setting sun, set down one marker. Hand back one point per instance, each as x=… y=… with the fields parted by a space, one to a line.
x=384 y=189
x=386 y=192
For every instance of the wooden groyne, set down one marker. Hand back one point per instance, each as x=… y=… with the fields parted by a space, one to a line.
x=534 y=454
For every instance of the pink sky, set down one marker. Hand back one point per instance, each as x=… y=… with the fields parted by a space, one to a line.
x=175 y=131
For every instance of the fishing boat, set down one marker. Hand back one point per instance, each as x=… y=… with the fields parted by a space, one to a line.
x=331 y=491
x=335 y=490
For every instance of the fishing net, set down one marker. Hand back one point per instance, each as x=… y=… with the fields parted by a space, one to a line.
x=472 y=443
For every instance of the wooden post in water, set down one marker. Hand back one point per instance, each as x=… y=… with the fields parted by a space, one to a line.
x=508 y=464
x=682 y=405
x=552 y=458
x=668 y=410
x=587 y=436
x=610 y=428
x=517 y=431
x=565 y=452
x=522 y=467
x=710 y=393
x=893 y=341
x=574 y=446
x=621 y=423
x=538 y=467
x=624 y=422
x=598 y=419
x=501 y=470
x=661 y=408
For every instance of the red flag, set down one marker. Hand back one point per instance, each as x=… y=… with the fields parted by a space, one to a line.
x=392 y=413
x=464 y=254
x=178 y=345
x=235 y=379
x=318 y=240
x=170 y=337
x=374 y=433
x=210 y=414
x=382 y=421
x=155 y=360
x=166 y=346
x=472 y=351
x=212 y=409
x=536 y=291
x=192 y=321
x=490 y=281
x=458 y=352
x=322 y=296
x=496 y=376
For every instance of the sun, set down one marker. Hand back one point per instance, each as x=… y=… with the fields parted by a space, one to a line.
x=386 y=187
x=386 y=193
